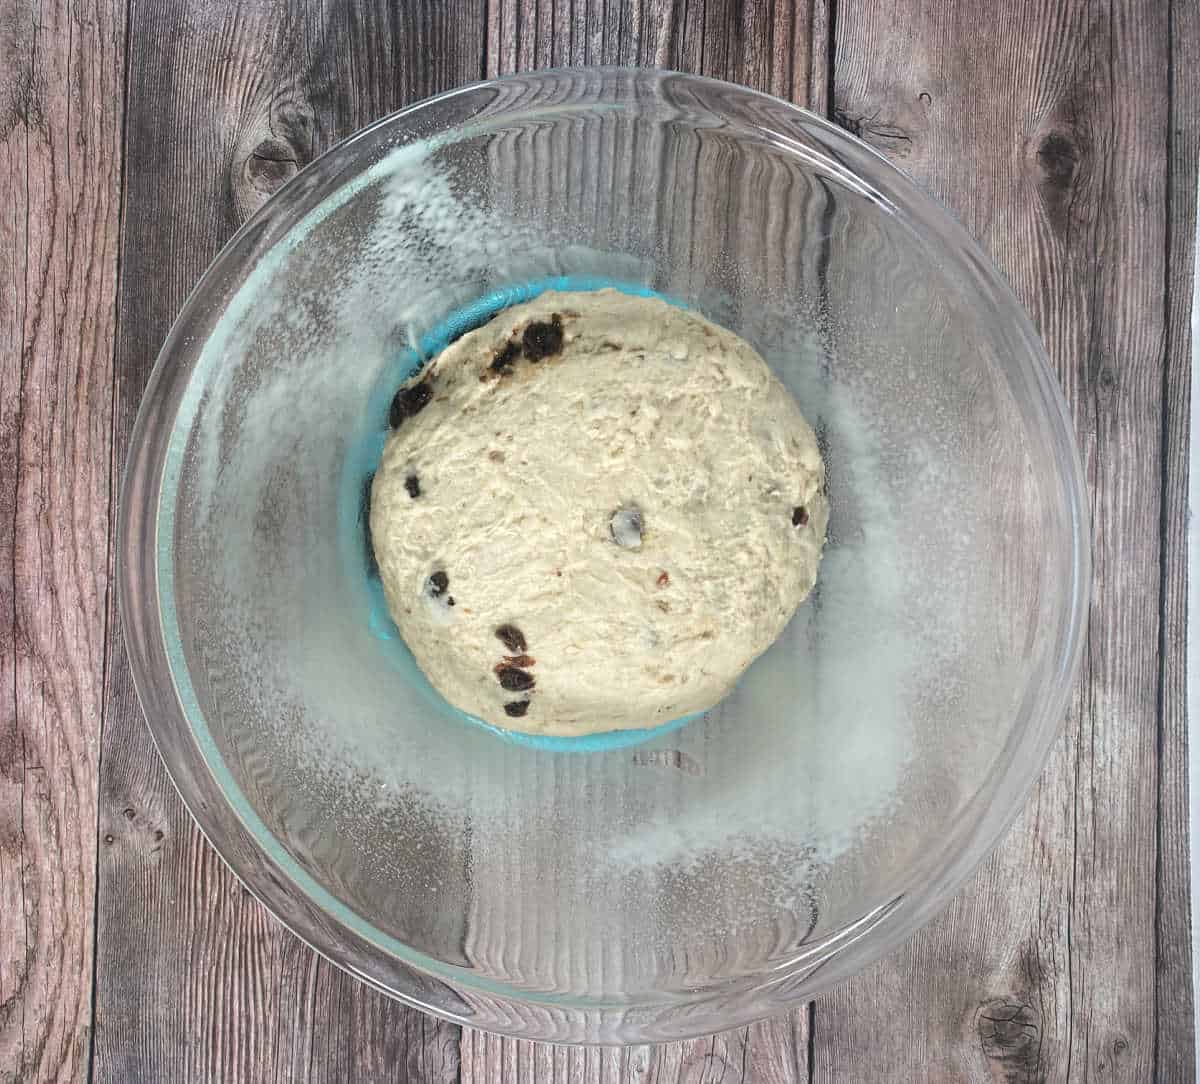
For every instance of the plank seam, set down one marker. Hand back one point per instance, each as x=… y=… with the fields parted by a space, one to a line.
x=831 y=30
x=811 y=1048
x=113 y=497
x=1170 y=274
x=831 y=33
x=485 y=22
x=1164 y=481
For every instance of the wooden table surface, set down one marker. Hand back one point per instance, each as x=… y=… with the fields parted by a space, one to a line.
x=136 y=135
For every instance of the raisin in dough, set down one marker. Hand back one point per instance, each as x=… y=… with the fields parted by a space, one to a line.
x=594 y=513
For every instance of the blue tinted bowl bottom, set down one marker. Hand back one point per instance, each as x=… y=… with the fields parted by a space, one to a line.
x=363 y=460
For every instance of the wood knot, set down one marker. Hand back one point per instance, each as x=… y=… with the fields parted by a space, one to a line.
x=1009 y=1032
x=1113 y=1055
x=270 y=166
x=272 y=149
x=1058 y=157
x=884 y=135
x=1055 y=160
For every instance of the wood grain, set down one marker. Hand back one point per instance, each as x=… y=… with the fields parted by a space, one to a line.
x=60 y=124
x=1064 y=135
x=1045 y=126
x=769 y=1052
x=1175 y=1055
x=195 y=981
x=780 y=48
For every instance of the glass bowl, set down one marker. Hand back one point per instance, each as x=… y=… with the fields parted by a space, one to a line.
x=699 y=878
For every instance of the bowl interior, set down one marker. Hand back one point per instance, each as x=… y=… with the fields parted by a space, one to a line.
x=864 y=763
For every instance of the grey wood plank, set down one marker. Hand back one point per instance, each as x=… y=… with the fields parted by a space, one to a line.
x=1045 y=126
x=780 y=48
x=1174 y=1035
x=60 y=127
x=769 y=1052
x=195 y=982
x=309 y=109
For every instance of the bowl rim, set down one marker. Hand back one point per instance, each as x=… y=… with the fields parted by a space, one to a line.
x=447 y=990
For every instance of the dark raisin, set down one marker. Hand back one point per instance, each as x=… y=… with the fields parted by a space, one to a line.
x=800 y=516
x=413 y=484
x=512 y=638
x=438 y=583
x=505 y=357
x=409 y=401
x=626 y=527
x=516 y=708
x=543 y=338
x=514 y=680
x=364 y=508
x=450 y=601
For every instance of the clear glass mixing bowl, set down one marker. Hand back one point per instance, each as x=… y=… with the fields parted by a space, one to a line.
x=862 y=768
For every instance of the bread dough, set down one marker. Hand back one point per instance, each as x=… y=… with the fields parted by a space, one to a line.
x=594 y=513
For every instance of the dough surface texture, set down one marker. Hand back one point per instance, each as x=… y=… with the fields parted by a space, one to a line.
x=594 y=513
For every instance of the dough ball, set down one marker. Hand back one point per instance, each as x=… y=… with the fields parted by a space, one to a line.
x=594 y=513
